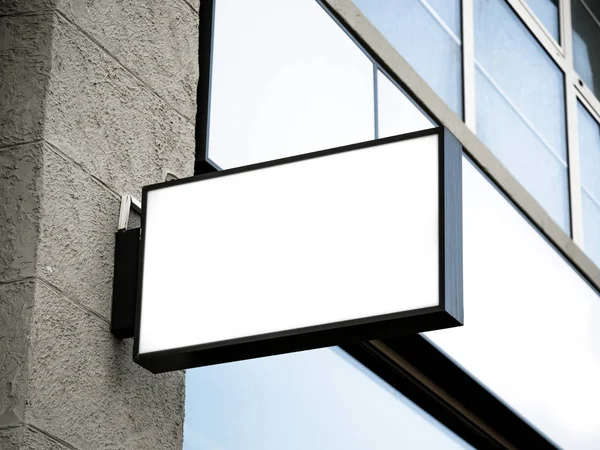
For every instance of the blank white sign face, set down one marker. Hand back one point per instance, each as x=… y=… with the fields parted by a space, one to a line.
x=347 y=236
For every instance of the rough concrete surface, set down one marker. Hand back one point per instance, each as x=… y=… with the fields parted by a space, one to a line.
x=106 y=120
x=78 y=219
x=36 y=440
x=195 y=4
x=16 y=303
x=19 y=210
x=96 y=98
x=85 y=388
x=24 y=72
x=11 y=438
x=23 y=6
x=157 y=43
x=28 y=438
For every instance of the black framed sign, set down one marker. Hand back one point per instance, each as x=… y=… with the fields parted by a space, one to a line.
x=342 y=245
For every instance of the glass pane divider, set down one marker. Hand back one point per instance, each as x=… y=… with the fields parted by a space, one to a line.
x=518 y=112
x=539 y=32
x=575 y=196
x=589 y=195
x=375 y=102
x=468 y=65
x=564 y=25
x=574 y=165
x=439 y=21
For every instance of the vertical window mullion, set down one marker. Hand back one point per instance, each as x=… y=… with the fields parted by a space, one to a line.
x=572 y=133
x=375 y=103
x=468 y=54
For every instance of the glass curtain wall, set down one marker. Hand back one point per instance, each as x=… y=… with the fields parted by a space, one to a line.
x=292 y=81
x=321 y=399
x=288 y=81
x=589 y=151
x=547 y=12
x=521 y=106
x=524 y=84
x=427 y=33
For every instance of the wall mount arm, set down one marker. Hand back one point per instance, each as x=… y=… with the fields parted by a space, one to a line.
x=125 y=279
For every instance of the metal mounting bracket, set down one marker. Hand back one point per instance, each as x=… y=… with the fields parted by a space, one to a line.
x=125 y=278
x=128 y=203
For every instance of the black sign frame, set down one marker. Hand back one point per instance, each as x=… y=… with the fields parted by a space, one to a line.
x=449 y=312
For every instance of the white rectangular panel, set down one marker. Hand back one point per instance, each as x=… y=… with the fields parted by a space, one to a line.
x=348 y=235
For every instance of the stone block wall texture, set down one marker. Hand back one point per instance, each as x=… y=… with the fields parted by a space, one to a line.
x=97 y=99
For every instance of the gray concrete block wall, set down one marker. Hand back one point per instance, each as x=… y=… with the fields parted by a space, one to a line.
x=108 y=121
x=151 y=39
x=78 y=217
x=24 y=72
x=84 y=388
x=20 y=168
x=27 y=437
x=16 y=306
x=96 y=100
x=11 y=438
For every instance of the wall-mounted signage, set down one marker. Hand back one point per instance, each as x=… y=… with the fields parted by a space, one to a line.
x=354 y=243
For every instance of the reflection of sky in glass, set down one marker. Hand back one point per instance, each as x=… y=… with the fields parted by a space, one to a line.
x=286 y=79
x=396 y=113
x=320 y=399
x=291 y=81
x=532 y=324
x=547 y=12
x=427 y=34
x=520 y=106
x=589 y=156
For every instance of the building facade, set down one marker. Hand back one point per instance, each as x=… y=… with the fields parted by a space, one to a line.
x=101 y=98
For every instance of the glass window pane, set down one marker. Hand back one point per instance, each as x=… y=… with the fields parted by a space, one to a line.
x=532 y=324
x=591 y=226
x=520 y=106
x=586 y=42
x=589 y=155
x=321 y=399
x=449 y=12
x=547 y=12
x=397 y=114
x=427 y=34
x=286 y=79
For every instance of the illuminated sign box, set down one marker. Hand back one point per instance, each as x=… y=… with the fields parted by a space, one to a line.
x=354 y=243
